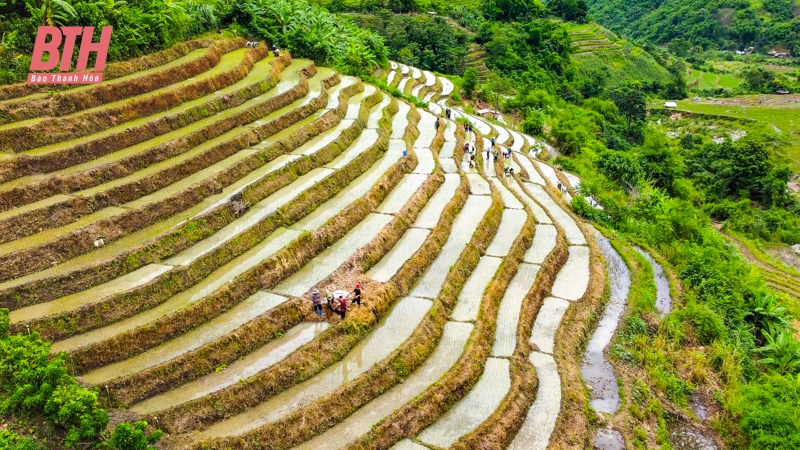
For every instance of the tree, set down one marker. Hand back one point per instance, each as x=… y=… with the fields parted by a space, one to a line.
x=631 y=103
x=470 y=81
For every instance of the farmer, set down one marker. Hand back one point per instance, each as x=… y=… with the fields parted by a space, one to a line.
x=342 y=306
x=357 y=295
x=492 y=142
x=317 y=303
x=437 y=123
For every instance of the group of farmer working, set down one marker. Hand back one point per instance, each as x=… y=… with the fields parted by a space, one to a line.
x=491 y=152
x=336 y=301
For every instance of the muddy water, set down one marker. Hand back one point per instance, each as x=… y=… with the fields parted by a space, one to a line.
x=354 y=102
x=257 y=361
x=533 y=175
x=488 y=165
x=446 y=354
x=425 y=162
x=416 y=89
x=509 y=200
x=398 y=326
x=365 y=140
x=463 y=228
x=323 y=140
x=334 y=94
x=53 y=234
x=448 y=165
x=226 y=62
x=254 y=306
x=390 y=77
x=474 y=408
x=597 y=372
x=548 y=319
x=548 y=171
x=430 y=78
x=279 y=239
x=511 y=223
x=518 y=143
x=59 y=198
x=538 y=212
x=571 y=229
x=400 y=121
x=544 y=241
x=289 y=78
x=432 y=212
x=608 y=439
x=358 y=188
x=502 y=135
x=402 y=193
x=427 y=130
x=128 y=241
x=450 y=131
x=251 y=179
x=447 y=86
x=541 y=418
x=478 y=185
x=406 y=444
x=253 y=216
x=448 y=148
x=573 y=279
x=469 y=300
x=376 y=114
x=663 y=297
x=505 y=337
x=405 y=248
x=334 y=256
x=402 y=86
x=94 y=295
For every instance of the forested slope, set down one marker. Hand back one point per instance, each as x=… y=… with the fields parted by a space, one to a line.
x=710 y=24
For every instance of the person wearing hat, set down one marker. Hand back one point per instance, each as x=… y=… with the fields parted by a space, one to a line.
x=357 y=295
x=317 y=303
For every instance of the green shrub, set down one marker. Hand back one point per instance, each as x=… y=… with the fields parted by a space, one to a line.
x=134 y=437
x=32 y=385
x=11 y=441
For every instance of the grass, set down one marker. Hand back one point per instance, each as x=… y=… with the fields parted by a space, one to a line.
x=625 y=64
x=785 y=119
x=709 y=81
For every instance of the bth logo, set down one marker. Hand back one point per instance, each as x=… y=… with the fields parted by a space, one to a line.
x=68 y=35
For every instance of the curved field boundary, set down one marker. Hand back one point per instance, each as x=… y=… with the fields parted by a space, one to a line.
x=74 y=243
x=67 y=279
x=117 y=69
x=114 y=184
x=230 y=68
x=79 y=99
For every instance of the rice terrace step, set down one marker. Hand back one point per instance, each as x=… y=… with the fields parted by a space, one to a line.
x=173 y=252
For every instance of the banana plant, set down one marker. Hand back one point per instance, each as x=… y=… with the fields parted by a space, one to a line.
x=51 y=12
x=782 y=352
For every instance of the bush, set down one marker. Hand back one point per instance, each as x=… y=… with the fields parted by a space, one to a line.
x=134 y=437
x=34 y=386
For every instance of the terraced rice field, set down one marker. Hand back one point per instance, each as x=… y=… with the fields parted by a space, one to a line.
x=172 y=253
x=592 y=38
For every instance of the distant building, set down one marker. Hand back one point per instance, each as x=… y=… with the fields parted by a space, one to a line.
x=432 y=13
x=782 y=91
x=670 y=105
x=740 y=52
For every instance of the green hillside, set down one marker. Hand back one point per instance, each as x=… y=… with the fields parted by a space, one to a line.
x=596 y=50
x=710 y=24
